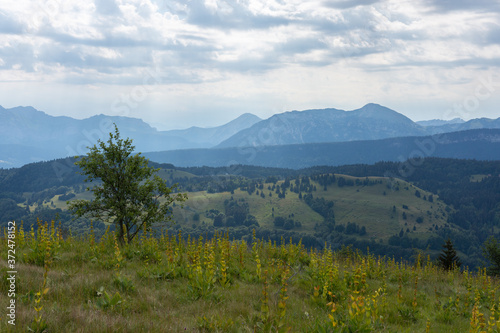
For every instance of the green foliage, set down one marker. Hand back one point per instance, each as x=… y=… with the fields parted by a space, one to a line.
x=449 y=259
x=43 y=244
x=123 y=283
x=491 y=251
x=105 y=301
x=129 y=193
x=216 y=323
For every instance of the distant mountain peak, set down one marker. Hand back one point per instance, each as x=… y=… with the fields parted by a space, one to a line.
x=248 y=114
x=23 y=109
x=245 y=117
x=373 y=105
x=379 y=111
x=28 y=135
x=370 y=122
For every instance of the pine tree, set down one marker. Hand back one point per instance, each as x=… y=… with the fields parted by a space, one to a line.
x=448 y=258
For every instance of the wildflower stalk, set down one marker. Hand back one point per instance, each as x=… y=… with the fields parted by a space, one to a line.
x=39 y=325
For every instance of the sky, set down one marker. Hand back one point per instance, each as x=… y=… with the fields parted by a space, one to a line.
x=177 y=64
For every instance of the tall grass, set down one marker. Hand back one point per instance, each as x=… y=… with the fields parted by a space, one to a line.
x=169 y=283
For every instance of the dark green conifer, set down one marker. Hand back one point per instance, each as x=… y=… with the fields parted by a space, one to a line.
x=448 y=258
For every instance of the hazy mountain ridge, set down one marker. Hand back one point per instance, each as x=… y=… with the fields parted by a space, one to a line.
x=440 y=122
x=468 y=125
x=482 y=144
x=28 y=135
x=214 y=135
x=371 y=122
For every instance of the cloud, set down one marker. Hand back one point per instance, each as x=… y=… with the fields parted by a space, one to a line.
x=301 y=45
x=107 y=7
x=246 y=37
x=345 y=4
x=464 y=5
x=493 y=35
x=9 y=25
x=230 y=15
x=18 y=54
x=248 y=47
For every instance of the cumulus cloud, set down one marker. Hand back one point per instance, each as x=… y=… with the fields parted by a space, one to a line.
x=227 y=35
x=232 y=15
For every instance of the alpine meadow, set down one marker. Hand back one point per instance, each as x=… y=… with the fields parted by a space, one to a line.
x=260 y=166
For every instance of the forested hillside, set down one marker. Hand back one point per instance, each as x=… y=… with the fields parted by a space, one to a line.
x=481 y=144
x=389 y=207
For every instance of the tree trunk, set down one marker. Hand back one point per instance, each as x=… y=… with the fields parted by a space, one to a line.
x=121 y=238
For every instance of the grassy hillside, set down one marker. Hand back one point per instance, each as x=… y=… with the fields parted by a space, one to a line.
x=170 y=175
x=261 y=208
x=383 y=207
x=470 y=189
x=378 y=207
x=170 y=284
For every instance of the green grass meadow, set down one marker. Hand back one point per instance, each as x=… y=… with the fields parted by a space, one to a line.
x=170 y=283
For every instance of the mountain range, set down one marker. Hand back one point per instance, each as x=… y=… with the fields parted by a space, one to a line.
x=370 y=122
x=28 y=135
x=440 y=122
x=479 y=144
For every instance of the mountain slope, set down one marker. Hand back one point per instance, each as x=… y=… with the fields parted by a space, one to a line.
x=215 y=135
x=439 y=122
x=468 y=125
x=483 y=144
x=370 y=122
x=28 y=135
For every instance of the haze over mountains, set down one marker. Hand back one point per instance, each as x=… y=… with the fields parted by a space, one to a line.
x=481 y=144
x=28 y=135
x=440 y=122
x=371 y=122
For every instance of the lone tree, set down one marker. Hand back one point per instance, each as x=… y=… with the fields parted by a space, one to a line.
x=130 y=194
x=448 y=258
